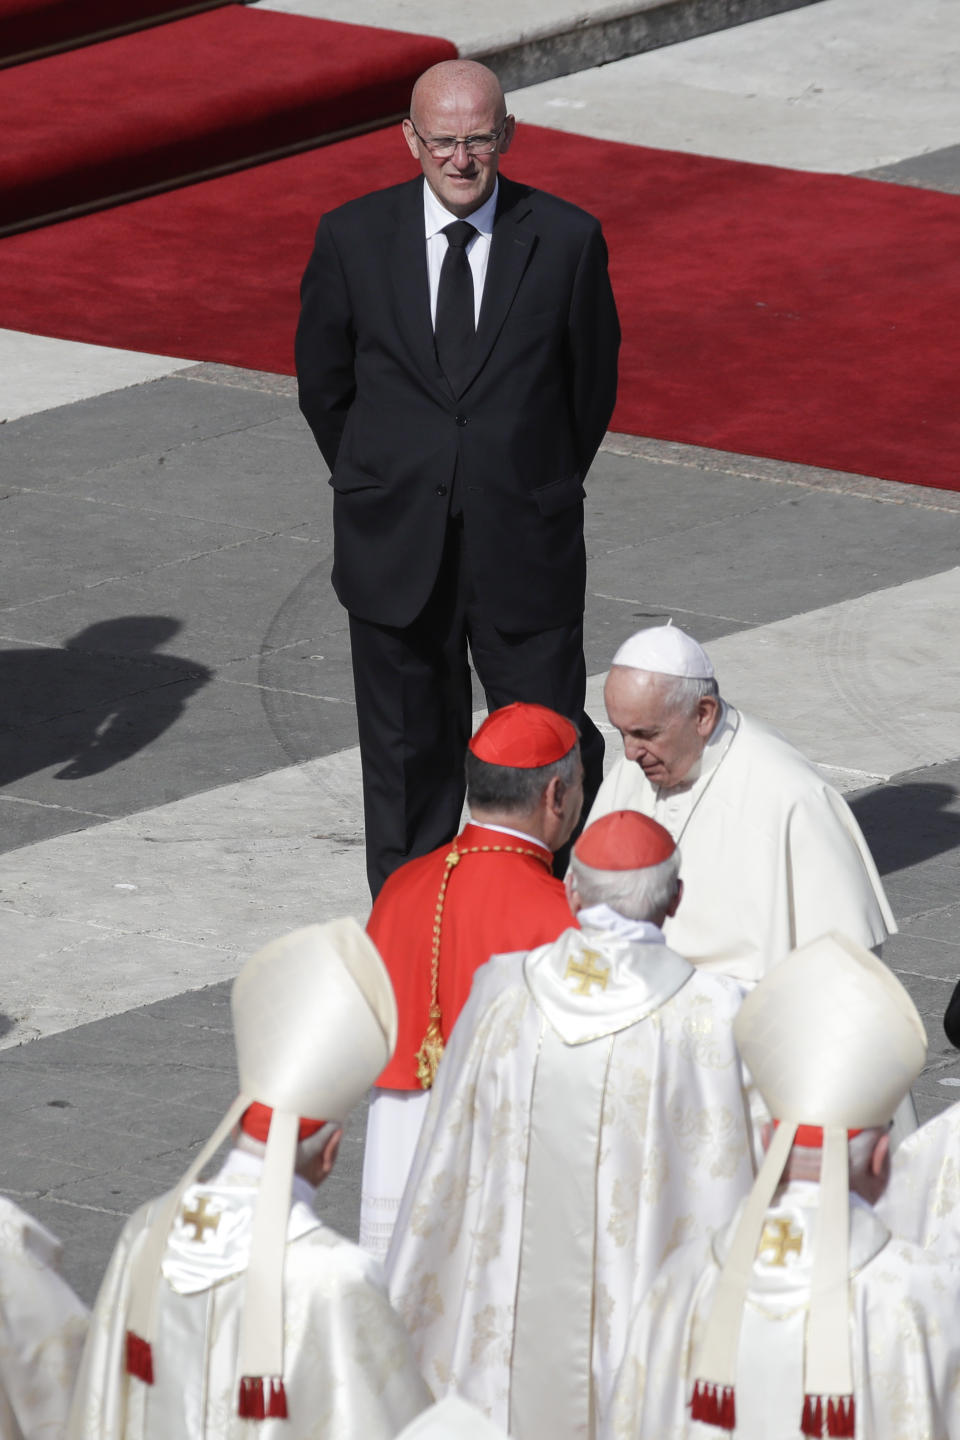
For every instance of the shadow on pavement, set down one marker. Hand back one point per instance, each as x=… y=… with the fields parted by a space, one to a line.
x=908 y=823
x=95 y=701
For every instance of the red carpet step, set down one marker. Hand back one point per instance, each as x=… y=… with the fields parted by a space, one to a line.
x=28 y=25
x=217 y=89
x=808 y=318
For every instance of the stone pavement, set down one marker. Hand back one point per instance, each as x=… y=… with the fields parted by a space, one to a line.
x=179 y=772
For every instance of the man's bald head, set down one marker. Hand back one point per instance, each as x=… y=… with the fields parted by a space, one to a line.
x=458 y=100
x=456 y=81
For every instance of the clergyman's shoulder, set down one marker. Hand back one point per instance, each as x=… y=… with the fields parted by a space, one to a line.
x=323 y=1256
x=518 y=198
x=372 y=208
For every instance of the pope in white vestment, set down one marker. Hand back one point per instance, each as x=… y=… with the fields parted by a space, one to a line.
x=588 y=1116
x=228 y=1310
x=42 y=1330
x=347 y=1359
x=804 y=1315
x=772 y=854
x=922 y=1201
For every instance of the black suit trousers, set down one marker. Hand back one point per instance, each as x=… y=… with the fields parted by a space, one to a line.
x=415 y=704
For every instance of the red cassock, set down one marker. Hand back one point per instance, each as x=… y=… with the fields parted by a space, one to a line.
x=500 y=896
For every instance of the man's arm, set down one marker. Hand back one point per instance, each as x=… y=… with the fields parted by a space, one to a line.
x=325 y=346
x=594 y=340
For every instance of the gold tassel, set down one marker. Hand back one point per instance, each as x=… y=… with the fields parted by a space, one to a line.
x=431 y=1049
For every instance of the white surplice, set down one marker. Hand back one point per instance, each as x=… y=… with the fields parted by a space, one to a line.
x=348 y=1367
x=922 y=1200
x=904 y=1330
x=771 y=855
x=394 y=1121
x=571 y=1142
x=42 y=1330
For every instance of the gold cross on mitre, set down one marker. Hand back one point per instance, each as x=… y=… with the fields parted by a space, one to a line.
x=199 y=1219
x=585 y=971
x=780 y=1237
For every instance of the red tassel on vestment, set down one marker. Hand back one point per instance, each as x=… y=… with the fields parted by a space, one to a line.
x=812 y=1422
x=841 y=1416
x=838 y=1411
x=139 y=1358
x=278 y=1401
x=250 y=1405
x=714 y=1405
x=254 y=1404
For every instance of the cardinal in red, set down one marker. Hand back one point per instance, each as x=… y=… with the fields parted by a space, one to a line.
x=438 y=918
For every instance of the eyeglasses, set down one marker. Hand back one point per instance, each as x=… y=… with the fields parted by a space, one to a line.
x=441 y=147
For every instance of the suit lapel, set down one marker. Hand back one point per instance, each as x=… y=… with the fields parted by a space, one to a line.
x=513 y=243
x=407 y=251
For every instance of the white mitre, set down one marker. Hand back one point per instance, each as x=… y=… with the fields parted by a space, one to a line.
x=665 y=650
x=449 y=1418
x=315 y=1021
x=833 y=1041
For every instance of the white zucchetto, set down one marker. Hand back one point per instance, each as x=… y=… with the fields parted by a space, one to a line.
x=665 y=650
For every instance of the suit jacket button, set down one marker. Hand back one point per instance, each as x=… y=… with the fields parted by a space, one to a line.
x=441 y=489
x=461 y=419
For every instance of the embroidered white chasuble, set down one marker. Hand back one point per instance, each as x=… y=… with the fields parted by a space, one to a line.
x=922 y=1200
x=348 y=1368
x=42 y=1329
x=904 y=1328
x=577 y=1131
x=771 y=856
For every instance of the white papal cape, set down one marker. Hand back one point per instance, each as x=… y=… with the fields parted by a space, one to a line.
x=572 y=1140
x=771 y=855
x=904 y=1331
x=348 y=1368
x=922 y=1200
x=42 y=1329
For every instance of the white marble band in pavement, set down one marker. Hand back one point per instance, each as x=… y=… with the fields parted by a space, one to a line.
x=40 y=373
x=172 y=898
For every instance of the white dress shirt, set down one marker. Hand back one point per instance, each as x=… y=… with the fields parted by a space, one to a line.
x=435 y=217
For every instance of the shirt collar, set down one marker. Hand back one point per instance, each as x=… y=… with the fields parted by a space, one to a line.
x=518 y=834
x=436 y=216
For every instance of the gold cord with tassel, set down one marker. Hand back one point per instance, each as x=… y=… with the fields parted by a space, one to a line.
x=431 y=1046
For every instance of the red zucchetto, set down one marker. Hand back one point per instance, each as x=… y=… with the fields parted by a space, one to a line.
x=523 y=737
x=256 y=1123
x=624 y=840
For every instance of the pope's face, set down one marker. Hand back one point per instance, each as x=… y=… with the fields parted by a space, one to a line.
x=462 y=182
x=665 y=743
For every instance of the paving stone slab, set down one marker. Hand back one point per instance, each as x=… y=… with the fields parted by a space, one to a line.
x=844 y=86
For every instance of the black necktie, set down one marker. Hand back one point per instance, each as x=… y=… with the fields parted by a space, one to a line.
x=454 y=328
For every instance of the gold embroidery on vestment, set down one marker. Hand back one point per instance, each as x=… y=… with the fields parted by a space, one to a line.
x=780 y=1237
x=199 y=1219
x=587 y=973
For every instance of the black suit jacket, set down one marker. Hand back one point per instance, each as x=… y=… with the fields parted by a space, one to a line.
x=520 y=434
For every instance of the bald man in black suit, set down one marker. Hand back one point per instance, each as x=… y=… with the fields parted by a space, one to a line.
x=458 y=381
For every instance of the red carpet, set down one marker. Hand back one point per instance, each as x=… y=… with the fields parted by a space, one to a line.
x=41 y=24
x=214 y=89
x=803 y=317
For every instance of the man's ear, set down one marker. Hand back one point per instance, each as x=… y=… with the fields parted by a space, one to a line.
x=881 y=1155
x=677 y=897
x=509 y=130
x=323 y=1162
x=708 y=708
x=553 y=796
x=410 y=135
